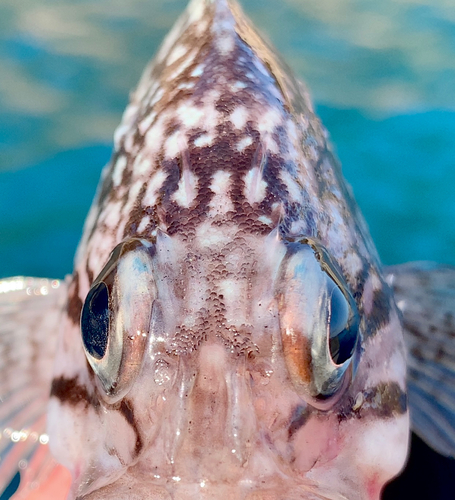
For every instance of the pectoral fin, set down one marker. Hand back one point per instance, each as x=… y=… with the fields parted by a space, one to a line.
x=425 y=294
x=30 y=312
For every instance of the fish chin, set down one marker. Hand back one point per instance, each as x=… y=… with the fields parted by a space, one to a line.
x=132 y=487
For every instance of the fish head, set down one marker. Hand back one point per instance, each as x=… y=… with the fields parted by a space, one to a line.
x=228 y=331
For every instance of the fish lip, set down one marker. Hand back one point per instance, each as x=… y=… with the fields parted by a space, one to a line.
x=214 y=492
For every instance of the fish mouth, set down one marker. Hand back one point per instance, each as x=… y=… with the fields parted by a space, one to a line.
x=130 y=488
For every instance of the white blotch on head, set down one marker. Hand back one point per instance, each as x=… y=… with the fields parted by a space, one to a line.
x=120 y=133
x=255 y=186
x=111 y=215
x=118 y=170
x=375 y=281
x=239 y=85
x=208 y=235
x=133 y=193
x=172 y=145
x=265 y=220
x=197 y=71
x=189 y=115
x=195 y=10
x=150 y=92
x=186 y=85
x=186 y=191
x=128 y=119
x=183 y=65
x=239 y=117
x=220 y=185
x=220 y=182
x=146 y=123
x=155 y=184
x=156 y=96
x=353 y=263
x=142 y=165
x=244 y=143
x=143 y=224
x=99 y=248
x=154 y=137
x=300 y=226
x=292 y=185
x=225 y=44
x=233 y=292
x=204 y=140
x=176 y=53
x=333 y=210
x=270 y=120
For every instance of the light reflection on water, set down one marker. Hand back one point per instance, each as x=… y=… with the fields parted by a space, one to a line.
x=67 y=66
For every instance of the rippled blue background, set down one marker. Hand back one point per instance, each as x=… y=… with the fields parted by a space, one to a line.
x=382 y=76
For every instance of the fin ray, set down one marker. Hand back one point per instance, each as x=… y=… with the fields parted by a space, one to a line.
x=425 y=295
x=30 y=311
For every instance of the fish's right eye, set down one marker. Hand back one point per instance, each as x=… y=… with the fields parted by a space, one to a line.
x=115 y=319
x=343 y=325
x=95 y=320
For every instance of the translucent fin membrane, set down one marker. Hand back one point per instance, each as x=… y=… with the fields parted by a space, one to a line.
x=30 y=311
x=425 y=294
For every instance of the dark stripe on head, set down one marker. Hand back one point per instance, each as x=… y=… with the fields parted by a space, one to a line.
x=299 y=418
x=127 y=411
x=74 y=306
x=380 y=312
x=69 y=391
x=386 y=400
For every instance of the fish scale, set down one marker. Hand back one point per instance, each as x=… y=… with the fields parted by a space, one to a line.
x=228 y=332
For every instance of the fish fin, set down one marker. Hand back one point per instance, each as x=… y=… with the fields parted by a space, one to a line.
x=425 y=294
x=30 y=312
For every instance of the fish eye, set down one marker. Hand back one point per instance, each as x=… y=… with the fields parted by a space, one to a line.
x=319 y=323
x=115 y=319
x=343 y=324
x=95 y=320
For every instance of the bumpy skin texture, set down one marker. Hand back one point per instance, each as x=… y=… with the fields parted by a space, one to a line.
x=219 y=159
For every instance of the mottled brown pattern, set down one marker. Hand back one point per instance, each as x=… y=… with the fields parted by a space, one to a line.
x=299 y=418
x=74 y=306
x=220 y=162
x=126 y=409
x=72 y=392
x=385 y=401
x=380 y=313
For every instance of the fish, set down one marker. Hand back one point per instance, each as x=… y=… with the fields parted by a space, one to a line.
x=229 y=331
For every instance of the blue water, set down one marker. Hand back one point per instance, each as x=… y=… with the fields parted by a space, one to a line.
x=401 y=169
x=382 y=76
x=381 y=73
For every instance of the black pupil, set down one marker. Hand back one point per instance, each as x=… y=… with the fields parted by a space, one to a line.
x=343 y=329
x=95 y=321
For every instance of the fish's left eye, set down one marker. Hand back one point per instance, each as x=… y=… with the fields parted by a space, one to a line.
x=319 y=323
x=115 y=319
